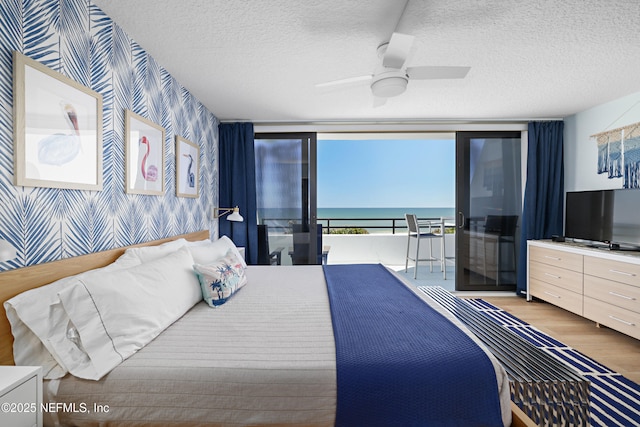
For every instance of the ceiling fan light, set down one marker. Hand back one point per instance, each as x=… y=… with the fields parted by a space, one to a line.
x=388 y=87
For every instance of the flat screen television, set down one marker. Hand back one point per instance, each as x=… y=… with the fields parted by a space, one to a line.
x=606 y=216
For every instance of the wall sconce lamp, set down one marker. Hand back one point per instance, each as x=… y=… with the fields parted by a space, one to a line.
x=235 y=214
x=7 y=251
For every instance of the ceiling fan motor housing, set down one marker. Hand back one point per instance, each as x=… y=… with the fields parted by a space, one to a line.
x=389 y=82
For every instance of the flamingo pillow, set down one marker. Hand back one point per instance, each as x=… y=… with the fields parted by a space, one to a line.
x=221 y=279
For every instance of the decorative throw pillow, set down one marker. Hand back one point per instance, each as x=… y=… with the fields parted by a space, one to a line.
x=221 y=279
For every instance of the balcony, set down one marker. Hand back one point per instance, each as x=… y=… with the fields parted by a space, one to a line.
x=386 y=244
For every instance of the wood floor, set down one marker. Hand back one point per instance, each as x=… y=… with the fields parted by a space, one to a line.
x=614 y=350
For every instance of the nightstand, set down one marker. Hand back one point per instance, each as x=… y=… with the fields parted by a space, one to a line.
x=20 y=396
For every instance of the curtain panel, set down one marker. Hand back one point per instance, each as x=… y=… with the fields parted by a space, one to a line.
x=544 y=192
x=238 y=185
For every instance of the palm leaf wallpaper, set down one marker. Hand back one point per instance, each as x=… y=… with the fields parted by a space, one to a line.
x=75 y=38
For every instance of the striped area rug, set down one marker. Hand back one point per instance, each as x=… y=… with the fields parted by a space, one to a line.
x=614 y=400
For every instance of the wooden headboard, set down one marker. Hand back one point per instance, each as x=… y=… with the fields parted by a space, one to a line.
x=13 y=282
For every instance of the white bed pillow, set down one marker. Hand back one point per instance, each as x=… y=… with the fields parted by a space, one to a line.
x=208 y=253
x=117 y=314
x=32 y=320
x=150 y=253
x=202 y=242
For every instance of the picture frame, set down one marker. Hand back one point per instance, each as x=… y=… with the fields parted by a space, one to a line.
x=57 y=129
x=144 y=155
x=187 y=168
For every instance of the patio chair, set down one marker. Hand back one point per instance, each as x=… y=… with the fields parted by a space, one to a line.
x=300 y=253
x=266 y=257
x=414 y=233
x=500 y=230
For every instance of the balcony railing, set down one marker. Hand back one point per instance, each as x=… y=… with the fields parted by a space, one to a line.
x=392 y=225
x=386 y=243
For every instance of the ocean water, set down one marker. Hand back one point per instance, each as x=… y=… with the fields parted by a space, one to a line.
x=377 y=220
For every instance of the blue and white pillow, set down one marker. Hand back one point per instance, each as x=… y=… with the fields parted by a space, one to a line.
x=221 y=279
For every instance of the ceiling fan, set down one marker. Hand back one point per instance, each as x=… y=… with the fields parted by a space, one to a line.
x=391 y=76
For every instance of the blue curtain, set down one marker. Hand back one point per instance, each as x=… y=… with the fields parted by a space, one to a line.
x=238 y=185
x=544 y=192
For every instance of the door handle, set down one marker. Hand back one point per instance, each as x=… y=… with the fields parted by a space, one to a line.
x=461 y=218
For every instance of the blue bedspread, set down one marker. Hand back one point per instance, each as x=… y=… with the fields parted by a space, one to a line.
x=399 y=361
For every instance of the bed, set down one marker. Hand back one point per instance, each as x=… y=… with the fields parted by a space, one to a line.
x=271 y=354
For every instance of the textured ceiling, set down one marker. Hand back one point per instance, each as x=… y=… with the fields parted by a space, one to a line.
x=260 y=60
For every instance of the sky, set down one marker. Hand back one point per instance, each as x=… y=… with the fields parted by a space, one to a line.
x=386 y=173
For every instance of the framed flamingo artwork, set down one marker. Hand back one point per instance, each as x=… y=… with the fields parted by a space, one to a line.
x=144 y=155
x=57 y=129
x=187 y=168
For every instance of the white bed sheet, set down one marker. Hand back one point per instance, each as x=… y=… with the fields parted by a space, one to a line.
x=267 y=357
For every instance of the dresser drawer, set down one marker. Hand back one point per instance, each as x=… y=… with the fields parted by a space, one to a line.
x=563 y=298
x=612 y=316
x=556 y=258
x=612 y=270
x=625 y=296
x=567 y=279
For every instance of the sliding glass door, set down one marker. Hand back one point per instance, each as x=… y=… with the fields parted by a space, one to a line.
x=489 y=207
x=286 y=196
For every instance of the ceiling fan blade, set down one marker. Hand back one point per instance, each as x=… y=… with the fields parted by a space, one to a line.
x=397 y=50
x=395 y=16
x=344 y=82
x=436 y=72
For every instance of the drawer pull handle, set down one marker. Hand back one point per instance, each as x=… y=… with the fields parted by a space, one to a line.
x=615 y=294
x=624 y=273
x=553 y=295
x=622 y=321
x=555 y=258
x=552 y=275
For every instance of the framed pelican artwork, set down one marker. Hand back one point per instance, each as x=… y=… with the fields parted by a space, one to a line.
x=57 y=129
x=144 y=155
x=187 y=168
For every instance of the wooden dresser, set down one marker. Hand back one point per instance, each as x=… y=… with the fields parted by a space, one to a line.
x=601 y=285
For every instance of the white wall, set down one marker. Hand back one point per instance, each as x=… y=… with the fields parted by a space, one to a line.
x=388 y=249
x=580 y=151
x=384 y=248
